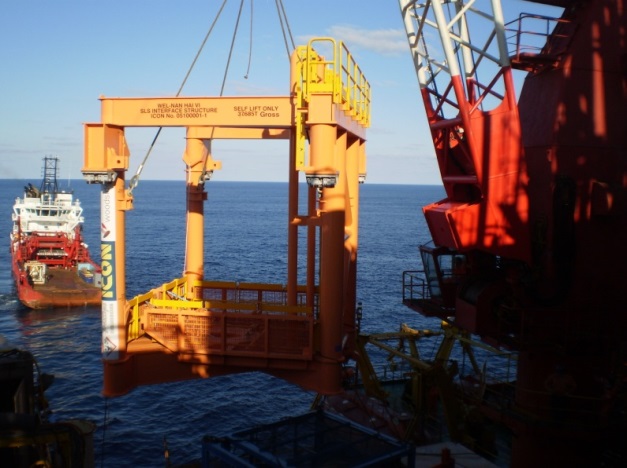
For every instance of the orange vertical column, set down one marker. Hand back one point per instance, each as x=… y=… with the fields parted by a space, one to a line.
x=292 y=227
x=323 y=149
x=197 y=153
x=312 y=211
x=117 y=369
x=342 y=189
x=292 y=208
x=353 y=162
x=113 y=253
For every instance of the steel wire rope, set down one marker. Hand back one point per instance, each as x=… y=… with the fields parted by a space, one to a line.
x=228 y=60
x=135 y=179
x=250 y=43
x=283 y=16
x=203 y=174
x=104 y=431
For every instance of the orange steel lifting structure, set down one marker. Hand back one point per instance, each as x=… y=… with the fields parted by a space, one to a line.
x=191 y=328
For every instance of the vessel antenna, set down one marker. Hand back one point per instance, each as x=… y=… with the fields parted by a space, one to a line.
x=49 y=176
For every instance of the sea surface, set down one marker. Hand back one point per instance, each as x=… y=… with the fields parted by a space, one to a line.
x=246 y=226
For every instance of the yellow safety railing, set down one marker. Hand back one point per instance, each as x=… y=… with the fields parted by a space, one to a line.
x=133 y=307
x=340 y=75
x=224 y=296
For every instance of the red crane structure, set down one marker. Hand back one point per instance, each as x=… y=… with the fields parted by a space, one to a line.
x=528 y=245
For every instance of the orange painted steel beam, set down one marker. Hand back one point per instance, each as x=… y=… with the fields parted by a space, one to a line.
x=105 y=149
x=249 y=111
x=147 y=363
x=238 y=133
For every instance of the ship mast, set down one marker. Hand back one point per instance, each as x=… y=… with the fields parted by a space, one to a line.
x=49 y=176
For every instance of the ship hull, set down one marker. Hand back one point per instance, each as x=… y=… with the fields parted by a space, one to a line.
x=63 y=288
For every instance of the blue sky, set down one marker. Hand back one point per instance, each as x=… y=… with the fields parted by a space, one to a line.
x=58 y=57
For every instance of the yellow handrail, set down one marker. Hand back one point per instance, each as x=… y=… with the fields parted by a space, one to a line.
x=340 y=76
x=230 y=296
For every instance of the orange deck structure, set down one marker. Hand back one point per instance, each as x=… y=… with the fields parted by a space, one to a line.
x=191 y=327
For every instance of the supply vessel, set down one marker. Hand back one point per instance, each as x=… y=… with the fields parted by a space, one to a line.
x=51 y=263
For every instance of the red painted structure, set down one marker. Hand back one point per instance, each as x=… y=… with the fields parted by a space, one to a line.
x=536 y=207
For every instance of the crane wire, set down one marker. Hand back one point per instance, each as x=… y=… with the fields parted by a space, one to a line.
x=250 y=45
x=204 y=175
x=284 y=26
x=228 y=61
x=135 y=179
x=283 y=17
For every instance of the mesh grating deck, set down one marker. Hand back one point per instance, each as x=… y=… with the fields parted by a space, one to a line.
x=209 y=332
x=310 y=440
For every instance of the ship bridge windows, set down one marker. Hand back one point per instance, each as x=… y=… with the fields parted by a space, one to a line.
x=443 y=269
